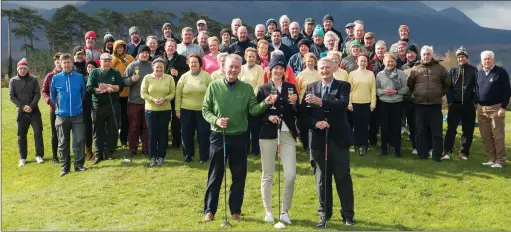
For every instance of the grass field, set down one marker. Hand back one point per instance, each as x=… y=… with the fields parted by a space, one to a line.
x=390 y=194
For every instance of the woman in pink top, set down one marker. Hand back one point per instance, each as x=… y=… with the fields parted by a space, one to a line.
x=262 y=52
x=209 y=61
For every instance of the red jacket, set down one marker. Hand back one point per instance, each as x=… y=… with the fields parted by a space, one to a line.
x=290 y=76
x=45 y=91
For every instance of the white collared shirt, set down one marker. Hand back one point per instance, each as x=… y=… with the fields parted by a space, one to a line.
x=487 y=72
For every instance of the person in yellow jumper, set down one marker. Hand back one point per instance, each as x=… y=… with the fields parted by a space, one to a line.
x=362 y=102
x=252 y=74
x=158 y=89
x=219 y=74
x=120 y=61
x=190 y=92
x=304 y=78
x=339 y=73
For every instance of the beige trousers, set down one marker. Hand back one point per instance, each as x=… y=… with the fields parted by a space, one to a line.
x=492 y=132
x=288 y=161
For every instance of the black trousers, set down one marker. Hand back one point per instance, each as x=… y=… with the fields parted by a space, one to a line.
x=158 y=132
x=467 y=114
x=87 y=121
x=24 y=121
x=304 y=133
x=429 y=117
x=237 y=157
x=254 y=128
x=361 y=115
x=338 y=165
x=192 y=120
x=410 y=118
x=54 y=139
x=175 y=126
x=124 y=124
x=374 y=123
x=103 y=119
x=390 y=116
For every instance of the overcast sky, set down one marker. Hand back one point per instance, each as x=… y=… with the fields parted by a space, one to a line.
x=493 y=14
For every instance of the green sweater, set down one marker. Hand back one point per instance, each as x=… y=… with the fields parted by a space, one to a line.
x=233 y=102
x=153 y=89
x=190 y=91
x=112 y=77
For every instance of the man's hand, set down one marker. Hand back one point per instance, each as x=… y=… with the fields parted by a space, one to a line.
x=103 y=86
x=274 y=119
x=293 y=98
x=270 y=100
x=372 y=108
x=350 y=107
x=27 y=109
x=173 y=72
x=222 y=122
x=134 y=78
x=313 y=99
x=109 y=89
x=322 y=125
x=501 y=113
x=178 y=115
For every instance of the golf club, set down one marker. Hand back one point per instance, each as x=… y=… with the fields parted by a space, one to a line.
x=279 y=225
x=326 y=166
x=114 y=115
x=225 y=223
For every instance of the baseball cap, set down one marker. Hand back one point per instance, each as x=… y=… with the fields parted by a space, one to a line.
x=201 y=21
x=105 y=56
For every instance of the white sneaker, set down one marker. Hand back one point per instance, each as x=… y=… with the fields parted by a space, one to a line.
x=430 y=154
x=415 y=152
x=489 y=163
x=402 y=130
x=496 y=165
x=39 y=159
x=22 y=163
x=284 y=217
x=446 y=157
x=269 y=218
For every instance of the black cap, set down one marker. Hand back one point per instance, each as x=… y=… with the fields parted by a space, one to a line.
x=144 y=48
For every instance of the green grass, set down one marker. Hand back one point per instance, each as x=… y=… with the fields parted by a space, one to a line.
x=390 y=194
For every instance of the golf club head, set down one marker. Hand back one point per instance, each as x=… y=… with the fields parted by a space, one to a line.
x=279 y=225
x=226 y=224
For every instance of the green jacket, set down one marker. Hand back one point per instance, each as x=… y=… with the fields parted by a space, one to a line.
x=233 y=102
x=96 y=77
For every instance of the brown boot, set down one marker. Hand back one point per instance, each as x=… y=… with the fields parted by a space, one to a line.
x=88 y=153
x=236 y=217
x=208 y=217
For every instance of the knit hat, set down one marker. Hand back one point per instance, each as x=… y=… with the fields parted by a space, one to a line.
x=403 y=27
x=269 y=21
x=411 y=48
x=78 y=49
x=318 y=31
x=225 y=30
x=159 y=59
x=165 y=25
x=461 y=51
x=277 y=59
x=328 y=17
x=93 y=62
x=355 y=43
x=108 y=38
x=144 y=48
x=90 y=34
x=305 y=42
x=134 y=29
x=309 y=20
x=105 y=56
x=23 y=63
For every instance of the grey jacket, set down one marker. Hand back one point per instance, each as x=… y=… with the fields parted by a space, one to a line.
x=145 y=68
x=384 y=82
x=25 y=91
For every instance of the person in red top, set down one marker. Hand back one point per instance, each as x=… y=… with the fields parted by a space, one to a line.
x=45 y=92
x=290 y=76
x=91 y=51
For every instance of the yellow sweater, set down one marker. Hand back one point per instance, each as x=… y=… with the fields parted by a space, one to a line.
x=190 y=90
x=341 y=75
x=217 y=75
x=153 y=89
x=304 y=78
x=363 y=87
x=254 y=76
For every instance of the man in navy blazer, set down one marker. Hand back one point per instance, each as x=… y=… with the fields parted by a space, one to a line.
x=328 y=104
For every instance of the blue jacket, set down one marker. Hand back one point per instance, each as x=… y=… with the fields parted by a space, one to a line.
x=296 y=63
x=132 y=49
x=67 y=92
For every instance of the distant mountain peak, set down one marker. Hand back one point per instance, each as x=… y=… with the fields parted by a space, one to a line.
x=454 y=14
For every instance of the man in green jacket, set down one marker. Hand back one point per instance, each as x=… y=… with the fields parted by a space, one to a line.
x=226 y=106
x=105 y=84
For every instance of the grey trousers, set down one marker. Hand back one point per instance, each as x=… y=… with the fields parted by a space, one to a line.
x=64 y=126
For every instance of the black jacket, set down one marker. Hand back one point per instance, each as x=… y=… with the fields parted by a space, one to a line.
x=287 y=112
x=334 y=109
x=239 y=48
x=163 y=40
x=177 y=62
x=457 y=94
x=81 y=67
x=284 y=48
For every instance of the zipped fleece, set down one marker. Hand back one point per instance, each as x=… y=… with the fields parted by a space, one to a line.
x=67 y=92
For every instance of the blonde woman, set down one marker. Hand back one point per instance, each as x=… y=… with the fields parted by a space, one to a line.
x=157 y=90
x=339 y=73
x=304 y=78
x=210 y=61
x=362 y=102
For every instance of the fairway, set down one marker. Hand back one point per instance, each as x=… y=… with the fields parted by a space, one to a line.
x=390 y=194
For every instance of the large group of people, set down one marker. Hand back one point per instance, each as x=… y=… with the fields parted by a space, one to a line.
x=259 y=97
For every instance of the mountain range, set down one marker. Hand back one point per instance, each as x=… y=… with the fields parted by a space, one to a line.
x=445 y=29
